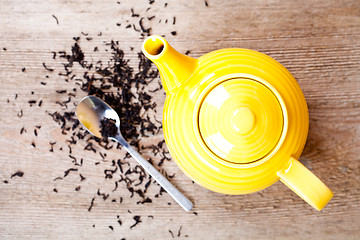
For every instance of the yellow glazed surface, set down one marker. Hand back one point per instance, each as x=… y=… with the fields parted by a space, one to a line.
x=235 y=121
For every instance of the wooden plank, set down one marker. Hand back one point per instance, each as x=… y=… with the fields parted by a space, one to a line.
x=318 y=41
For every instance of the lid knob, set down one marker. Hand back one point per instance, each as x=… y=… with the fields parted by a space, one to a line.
x=242 y=120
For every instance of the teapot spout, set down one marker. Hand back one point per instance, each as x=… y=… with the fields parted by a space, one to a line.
x=174 y=67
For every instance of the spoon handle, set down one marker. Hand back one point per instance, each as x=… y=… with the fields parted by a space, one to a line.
x=183 y=201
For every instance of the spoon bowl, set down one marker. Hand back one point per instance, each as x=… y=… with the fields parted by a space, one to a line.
x=92 y=111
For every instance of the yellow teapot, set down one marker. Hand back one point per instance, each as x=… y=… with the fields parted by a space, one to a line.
x=235 y=121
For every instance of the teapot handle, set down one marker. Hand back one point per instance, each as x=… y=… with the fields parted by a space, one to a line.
x=305 y=184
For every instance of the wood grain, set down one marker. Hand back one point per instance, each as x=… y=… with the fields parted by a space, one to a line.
x=317 y=41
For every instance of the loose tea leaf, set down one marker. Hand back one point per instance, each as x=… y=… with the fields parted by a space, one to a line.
x=137 y=221
x=69 y=170
x=56 y=19
x=49 y=69
x=17 y=174
x=91 y=204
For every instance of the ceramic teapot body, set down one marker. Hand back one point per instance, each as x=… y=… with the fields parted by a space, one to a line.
x=235 y=121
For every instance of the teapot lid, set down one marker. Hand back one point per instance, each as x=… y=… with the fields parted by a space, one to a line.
x=241 y=120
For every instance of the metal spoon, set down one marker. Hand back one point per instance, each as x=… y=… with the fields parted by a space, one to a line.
x=91 y=110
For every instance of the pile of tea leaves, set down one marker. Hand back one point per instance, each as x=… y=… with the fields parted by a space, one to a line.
x=129 y=91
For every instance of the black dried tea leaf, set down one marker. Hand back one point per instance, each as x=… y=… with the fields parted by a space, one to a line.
x=56 y=19
x=22 y=130
x=17 y=174
x=69 y=170
x=137 y=221
x=47 y=68
x=82 y=178
x=134 y=14
x=179 y=232
x=172 y=234
x=61 y=91
x=91 y=204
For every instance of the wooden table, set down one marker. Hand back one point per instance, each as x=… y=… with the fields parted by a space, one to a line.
x=317 y=41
